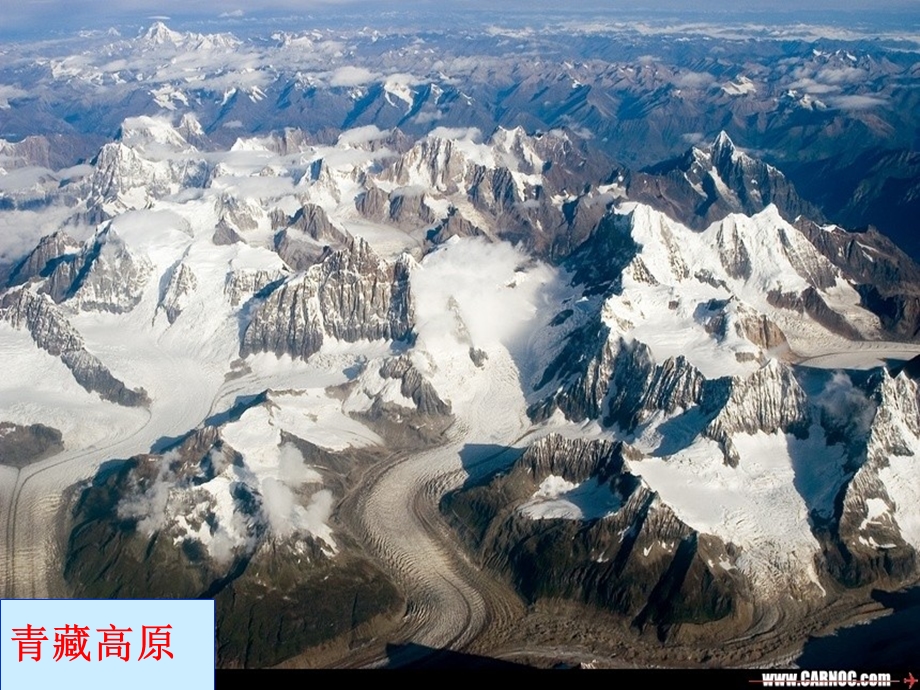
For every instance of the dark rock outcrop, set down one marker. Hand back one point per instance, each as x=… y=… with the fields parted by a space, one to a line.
x=637 y=559
x=887 y=279
x=271 y=604
x=350 y=295
x=21 y=445
x=52 y=332
x=862 y=544
x=715 y=181
x=41 y=261
x=104 y=276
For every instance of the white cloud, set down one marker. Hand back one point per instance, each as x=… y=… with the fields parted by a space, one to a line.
x=428 y=117
x=471 y=134
x=693 y=80
x=361 y=135
x=149 y=507
x=842 y=75
x=855 y=102
x=845 y=406
x=279 y=504
x=7 y=92
x=493 y=293
x=814 y=87
x=351 y=76
x=315 y=518
x=292 y=469
x=20 y=231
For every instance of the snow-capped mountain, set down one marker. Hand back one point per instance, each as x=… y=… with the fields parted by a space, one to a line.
x=717 y=180
x=693 y=384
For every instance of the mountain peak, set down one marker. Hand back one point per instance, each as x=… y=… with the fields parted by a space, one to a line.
x=723 y=141
x=160 y=34
x=142 y=131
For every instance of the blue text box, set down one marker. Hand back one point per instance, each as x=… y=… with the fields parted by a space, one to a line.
x=149 y=655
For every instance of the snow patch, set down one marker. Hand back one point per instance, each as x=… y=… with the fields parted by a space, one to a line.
x=558 y=498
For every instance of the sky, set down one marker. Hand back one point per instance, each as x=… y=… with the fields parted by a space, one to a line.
x=31 y=16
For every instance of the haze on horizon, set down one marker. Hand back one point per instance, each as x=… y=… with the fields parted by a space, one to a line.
x=32 y=18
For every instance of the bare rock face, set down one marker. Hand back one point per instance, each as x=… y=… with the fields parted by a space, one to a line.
x=241 y=285
x=21 y=445
x=312 y=221
x=865 y=257
x=623 y=385
x=158 y=526
x=810 y=302
x=454 y=225
x=886 y=278
x=410 y=210
x=514 y=188
x=119 y=168
x=755 y=183
x=584 y=365
x=494 y=189
x=674 y=384
x=224 y=234
x=897 y=419
x=104 y=276
x=182 y=283
x=53 y=333
x=289 y=140
x=568 y=519
x=40 y=262
x=761 y=331
x=769 y=400
x=599 y=263
x=738 y=259
x=190 y=129
x=732 y=251
x=405 y=207
x=351 y=295
x=114 y=280
x=392 y=397
x=867 y=544
x=298 y=254
x=32 y=150
x=721 y=318
x=373 y=203
x=434 y=162
x=586 y=362
x=308 y=238
x=414 y=386
x=715 y=181
x=239 y=214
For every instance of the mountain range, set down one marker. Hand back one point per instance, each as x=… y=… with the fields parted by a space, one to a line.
x=405 y=372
